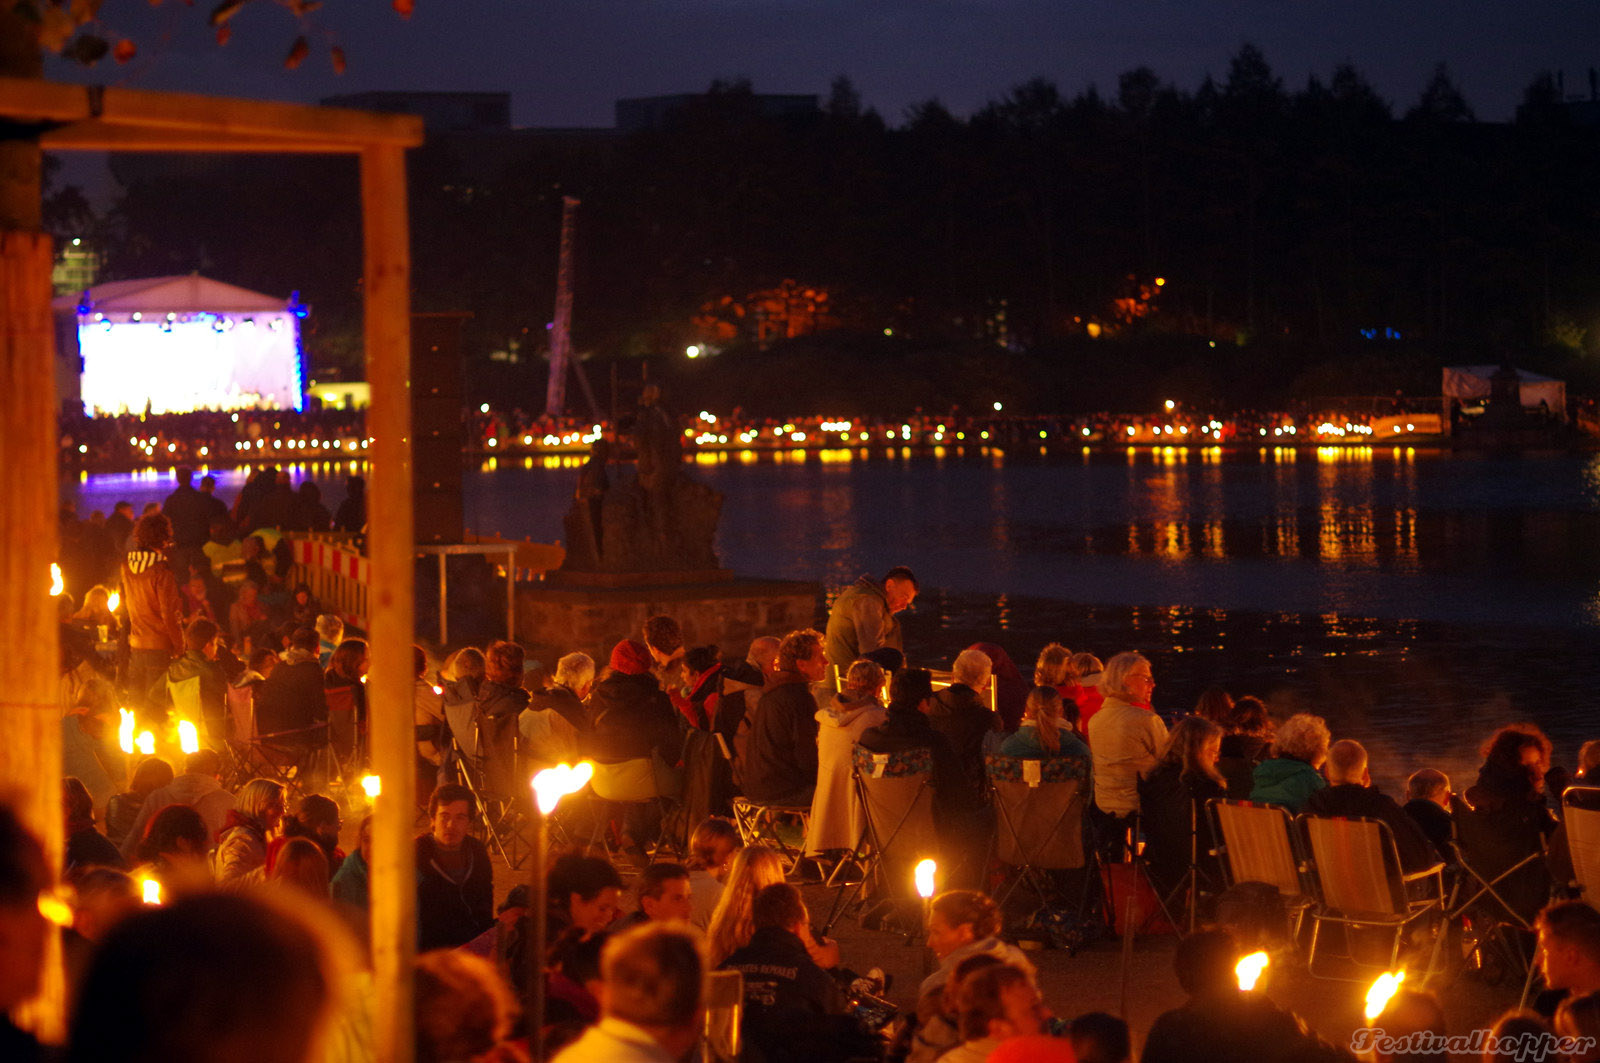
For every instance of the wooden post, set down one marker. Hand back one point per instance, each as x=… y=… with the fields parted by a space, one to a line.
x=30 y=722
x=392 y=551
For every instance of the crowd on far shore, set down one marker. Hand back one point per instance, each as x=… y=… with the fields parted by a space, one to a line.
x=720 y=785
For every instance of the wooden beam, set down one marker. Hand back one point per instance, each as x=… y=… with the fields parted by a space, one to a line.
x=30 y=721
x=97 y=135
x=33 y=100
x=391 y=550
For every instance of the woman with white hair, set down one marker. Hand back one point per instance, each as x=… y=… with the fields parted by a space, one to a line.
x=1125 y=739
x=1290 y=776
x=836 y=817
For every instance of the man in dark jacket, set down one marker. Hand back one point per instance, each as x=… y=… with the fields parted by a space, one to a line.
x=293 y=698
x=1350 y=793
x=630 y=715
x=862 y=617
x=455 y=881
x=204 y=657
x=782 y=751
x=1428 y=805
x=189 y=512
x=501 y=700
x=794 y=1010
x=961 y=713
x=907 y=727
x=1233 y=1026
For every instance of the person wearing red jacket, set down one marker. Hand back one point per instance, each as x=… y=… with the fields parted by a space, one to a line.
x=155 y=609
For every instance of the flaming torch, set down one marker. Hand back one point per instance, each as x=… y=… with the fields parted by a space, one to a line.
x=1249 y=970
x=549 y=787
x=1386 y=986
x=151 y=889
x=188 y=737
x=125 y=731
x=57 y=584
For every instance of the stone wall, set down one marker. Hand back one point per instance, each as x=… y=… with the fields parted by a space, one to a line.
x=552 y=621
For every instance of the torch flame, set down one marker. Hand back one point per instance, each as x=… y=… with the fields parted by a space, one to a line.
x=552 y=784
x=1249 y=970
x=113 y=602
x=372 y=785
x=924 y=878
x=125 y=731
x=1386 y=986
x=57 y=584
x=55 y=908
x=146 y=743
x=152 y=890
x=188 y=737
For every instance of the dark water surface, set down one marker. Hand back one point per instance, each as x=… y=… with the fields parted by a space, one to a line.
x=1414 y=598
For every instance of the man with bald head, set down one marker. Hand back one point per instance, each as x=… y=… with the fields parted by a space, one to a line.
x=1350 y=793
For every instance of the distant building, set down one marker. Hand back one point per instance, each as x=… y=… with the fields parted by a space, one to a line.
x=441 y=112
x=651 y=112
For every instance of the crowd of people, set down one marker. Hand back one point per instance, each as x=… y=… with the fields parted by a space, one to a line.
x=243 y=846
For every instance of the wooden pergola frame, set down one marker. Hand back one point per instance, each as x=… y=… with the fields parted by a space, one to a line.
x=90 y=118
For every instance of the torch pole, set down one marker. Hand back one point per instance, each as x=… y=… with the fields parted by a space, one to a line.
x=538 y=914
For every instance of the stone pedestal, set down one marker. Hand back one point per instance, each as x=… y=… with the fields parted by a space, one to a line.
x=555 y=618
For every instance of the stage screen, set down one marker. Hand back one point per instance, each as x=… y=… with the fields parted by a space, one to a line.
x=194 y=362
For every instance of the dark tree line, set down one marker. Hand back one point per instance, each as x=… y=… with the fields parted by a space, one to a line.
x=1318 y=233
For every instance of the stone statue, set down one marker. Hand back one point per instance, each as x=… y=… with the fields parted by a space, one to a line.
x=654 y=521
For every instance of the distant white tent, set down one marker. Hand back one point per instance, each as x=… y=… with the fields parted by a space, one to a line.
x=1470 y=382
x=174 y=344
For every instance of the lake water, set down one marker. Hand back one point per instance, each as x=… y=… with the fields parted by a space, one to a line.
x=1416 y=599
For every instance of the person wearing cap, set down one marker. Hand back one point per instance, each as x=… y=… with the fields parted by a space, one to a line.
x=636 y=737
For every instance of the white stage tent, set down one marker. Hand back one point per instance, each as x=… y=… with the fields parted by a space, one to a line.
x=175 y=344
x=1471 y=382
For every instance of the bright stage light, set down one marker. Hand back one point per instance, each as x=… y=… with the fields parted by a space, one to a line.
x=178 y=366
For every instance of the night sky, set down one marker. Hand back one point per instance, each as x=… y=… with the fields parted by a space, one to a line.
x=566 y=61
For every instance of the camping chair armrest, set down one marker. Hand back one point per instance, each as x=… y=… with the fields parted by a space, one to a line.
x=1436 y=869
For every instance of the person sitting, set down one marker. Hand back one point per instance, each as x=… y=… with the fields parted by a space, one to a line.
x=962 y=923
x=1588 y=773
x=122 y=810
x=662 y=892
x=462 y=1006
x=1172 y=800
x=1247 y=740
x=711 y=848
x=200 y=786
x=1577 y=1022
x=302 y=866
x=754 y=868
x=555 y=718
x=24 y=931
x=585 y=892
x=1234 y=1026
x=996 y=1004
x=303 y=606
x=1350 y=793
x=651 y=1008
x=346 y=692
x=793 y=1009
x=1290 y=776
x=942 y=1031
x=501 y=701
x=961 y=713
x=1568 y=953
x=836 y=818
x=1010 y=690
x=249 y=623
x=1125 y=739
x=1411 y=1015
x=1428 y=805
x=252 y=823
x=330 y=632
x=573 y=986
x=1100 y=1037
x=292 y=702
x=1049 y=729
x=782 y=754
x=206 y=658
x=1215 y=704
x=86 y=847
x=103 y=897
x=174 y=851
x=455 y=879
x=427 y=716
x=1503 y=818
x=318 y=820
x=183 y=983
x=350 y=885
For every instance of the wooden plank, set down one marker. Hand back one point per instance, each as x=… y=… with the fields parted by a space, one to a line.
x=97 y=135
x=30 y=99
x=390 y=547
x=30 y=721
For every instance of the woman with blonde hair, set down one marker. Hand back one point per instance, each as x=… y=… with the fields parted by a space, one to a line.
x=1292 y=774
x=1054 y=668
x=1048 y=728
x=755 y=867
x=256 y=818
x=836 y=820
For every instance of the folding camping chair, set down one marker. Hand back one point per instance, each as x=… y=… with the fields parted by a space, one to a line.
x=1355 y=868
x=1502 y=881
x=765 y=825
x=1255 y=843
x=303 y=759
x=1580 y=812
x=1041 y=806
x=724 y=1010
x=896 y=794
x=500 y=815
